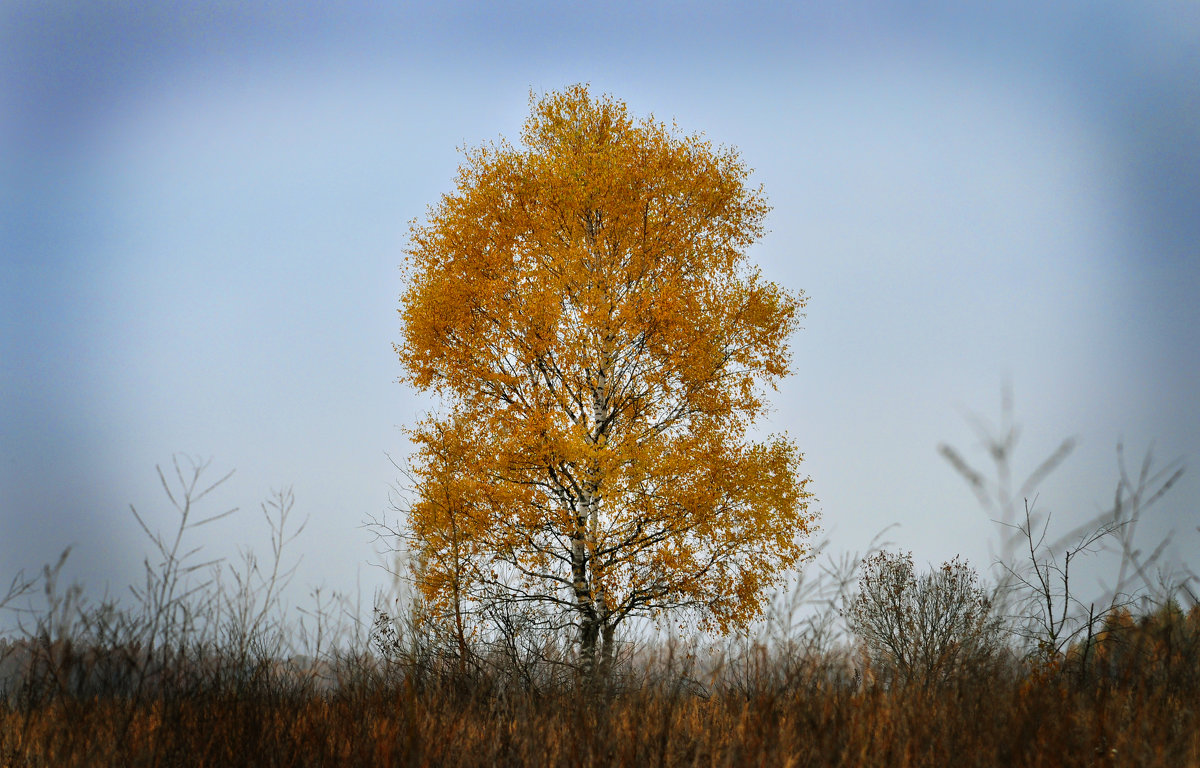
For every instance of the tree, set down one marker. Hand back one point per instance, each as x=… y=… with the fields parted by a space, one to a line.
x=583 y=306
x=922 y=629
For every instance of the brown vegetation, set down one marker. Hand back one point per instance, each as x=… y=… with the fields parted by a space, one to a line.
x=1133 y=704
x=201 y=674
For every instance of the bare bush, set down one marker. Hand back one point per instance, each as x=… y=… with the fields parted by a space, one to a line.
x=922 y=629
x=1034 y=586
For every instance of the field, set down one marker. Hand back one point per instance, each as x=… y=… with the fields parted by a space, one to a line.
x=208 y=670
x=1134 y=703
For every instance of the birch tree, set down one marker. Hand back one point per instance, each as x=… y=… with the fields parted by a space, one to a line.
x=583 y=307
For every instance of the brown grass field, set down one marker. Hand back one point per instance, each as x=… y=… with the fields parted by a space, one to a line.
x=213 y=674
x=1134 y=701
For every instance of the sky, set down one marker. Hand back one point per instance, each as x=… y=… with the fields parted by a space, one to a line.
x=204 y=206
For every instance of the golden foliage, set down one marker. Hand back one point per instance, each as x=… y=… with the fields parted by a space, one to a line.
x=584 y=307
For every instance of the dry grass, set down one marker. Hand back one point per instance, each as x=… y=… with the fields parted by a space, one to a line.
x=1134 y=703
x=209 y=673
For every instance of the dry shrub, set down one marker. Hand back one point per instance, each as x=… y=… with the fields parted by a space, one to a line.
x=922 y=629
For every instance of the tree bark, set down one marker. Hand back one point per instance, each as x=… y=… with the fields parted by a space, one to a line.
x=607 y=652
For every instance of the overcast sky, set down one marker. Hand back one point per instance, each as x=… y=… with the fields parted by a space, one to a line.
x=203 y=207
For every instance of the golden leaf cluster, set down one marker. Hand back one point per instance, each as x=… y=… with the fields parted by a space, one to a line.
x=584 y=307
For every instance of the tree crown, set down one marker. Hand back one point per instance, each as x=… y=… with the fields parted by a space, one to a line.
x=584 y=306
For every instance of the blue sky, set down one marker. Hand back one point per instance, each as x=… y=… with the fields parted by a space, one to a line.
x=203 y=207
